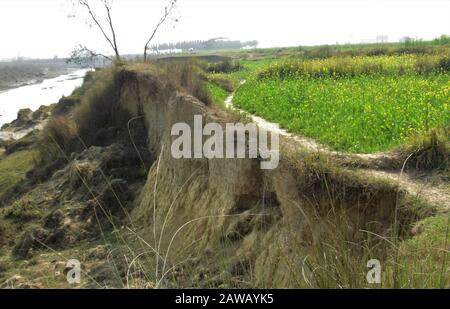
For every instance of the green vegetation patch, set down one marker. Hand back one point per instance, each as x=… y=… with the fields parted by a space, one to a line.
x=364 y=113
x=13 y=169
x=217 y=93
x=423 y=260
x=360 y=65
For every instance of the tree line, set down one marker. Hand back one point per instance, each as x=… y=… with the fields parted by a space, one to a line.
x=212 y=44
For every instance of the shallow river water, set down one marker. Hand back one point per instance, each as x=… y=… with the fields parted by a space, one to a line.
x=33 y=96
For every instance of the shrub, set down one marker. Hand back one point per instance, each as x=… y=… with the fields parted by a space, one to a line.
x=320 y=52
x=58 y=139
x=444 y=64
x=378 y=52
x=22 y=210
x=226 y=66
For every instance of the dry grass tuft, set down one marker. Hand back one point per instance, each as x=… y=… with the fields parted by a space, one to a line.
x=429 y=150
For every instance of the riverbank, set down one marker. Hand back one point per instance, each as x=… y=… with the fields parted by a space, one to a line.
x=16 y=74
x=32 y=97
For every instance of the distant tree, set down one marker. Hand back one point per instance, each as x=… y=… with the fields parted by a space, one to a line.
x=168 y=11
x=215 y=43
x=442 y=40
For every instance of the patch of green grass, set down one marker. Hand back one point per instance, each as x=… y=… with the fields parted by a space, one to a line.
x=365 y=113
x=22 y=210
x=223 y=81
x=247 y=69
x=374 y=104
x=431 y=233
x=13 y=169
x=423 y=260
x=218 y=94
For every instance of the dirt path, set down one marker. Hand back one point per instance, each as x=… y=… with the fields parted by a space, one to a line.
x=372 y=160
x=379 y=165
x=435 y=191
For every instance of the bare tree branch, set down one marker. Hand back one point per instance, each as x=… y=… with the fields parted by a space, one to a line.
x=168 y=9
x=110 y=34
x=95 y=54
x=108 y=11
x=83 y=55
x=85 y=3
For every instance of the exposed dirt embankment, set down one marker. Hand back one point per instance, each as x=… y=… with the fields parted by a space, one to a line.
x=224 y=218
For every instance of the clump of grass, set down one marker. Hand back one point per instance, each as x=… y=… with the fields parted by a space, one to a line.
x=444 y=64
x=218 y=94
x=58 y=138
x=222 y=81
x=428 y=150
x=188 y=76
x=22 y=210
x=422 y=260
x=336 y=261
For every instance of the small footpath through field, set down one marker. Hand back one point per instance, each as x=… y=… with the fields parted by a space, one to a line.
x=428 y=187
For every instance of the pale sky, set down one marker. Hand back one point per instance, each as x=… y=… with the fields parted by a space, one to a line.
x=42 y=28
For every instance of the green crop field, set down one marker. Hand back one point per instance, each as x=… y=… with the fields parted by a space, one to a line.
x=356 y=104
x=218 y=94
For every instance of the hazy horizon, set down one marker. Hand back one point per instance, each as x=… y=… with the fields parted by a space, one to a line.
x=46 y=28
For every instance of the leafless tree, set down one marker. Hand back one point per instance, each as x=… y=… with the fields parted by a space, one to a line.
x=106 y=26
x=168 y=11
x=110 y=35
